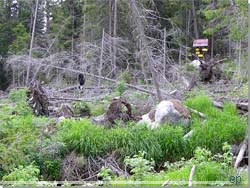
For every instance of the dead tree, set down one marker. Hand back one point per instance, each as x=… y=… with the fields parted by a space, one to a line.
x=31 y=43
x=37 y=99
x=145 y=45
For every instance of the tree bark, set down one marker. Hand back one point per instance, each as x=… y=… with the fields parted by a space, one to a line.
x=145 y=46
x=164 y=53
x=190 y=181
x=195 y=21
x=96 y=76
x=212 y=46
x=101 y=58
x=115 y=33
x=31 y=43
x=241 y=153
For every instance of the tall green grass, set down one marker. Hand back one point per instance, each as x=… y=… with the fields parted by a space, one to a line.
x=219 y=126
x=165 y=143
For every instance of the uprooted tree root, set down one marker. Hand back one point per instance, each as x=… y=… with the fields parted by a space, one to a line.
x=75 y=168
x=38 y=99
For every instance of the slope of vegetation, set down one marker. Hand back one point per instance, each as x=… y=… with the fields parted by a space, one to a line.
x=27 y=145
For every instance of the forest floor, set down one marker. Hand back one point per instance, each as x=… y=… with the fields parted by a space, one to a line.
x=74 y=149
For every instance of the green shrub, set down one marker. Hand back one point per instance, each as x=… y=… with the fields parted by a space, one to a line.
x=139 y=165
x=190 y=67
x=22 y=109
x=97 y=109
x=28 y=173
x=165 y=143
x=126 y=77
x=17 y=95
x=220 y=125
x=106 y=174
x=18 y=139
x=120 y=88
x=81 y=108
x=207 y=168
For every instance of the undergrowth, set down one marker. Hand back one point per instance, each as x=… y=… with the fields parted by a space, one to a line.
x=165 y=143
x=22 y=140
x=219 y=126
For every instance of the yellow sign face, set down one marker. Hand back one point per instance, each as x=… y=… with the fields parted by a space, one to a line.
x=200 y=55
x=197 y=49
x=204 y=49
x=197 y=53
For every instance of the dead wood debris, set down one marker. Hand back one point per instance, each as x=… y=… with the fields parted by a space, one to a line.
x=190 y=181
x=75 y=167
x=116 y=112
x=241 y=153
x=37 y=99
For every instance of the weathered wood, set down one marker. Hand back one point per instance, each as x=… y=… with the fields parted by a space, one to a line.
x=190 y=181
x=241 y=153
x=37 y=99
x=197 y=112
x=242 y=106
x=96 y=76
x=189 y=134
x=218 y=104
x=166 y=183
x=115 y=111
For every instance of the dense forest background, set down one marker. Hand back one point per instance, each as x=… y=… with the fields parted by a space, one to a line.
x=138 y=61
x=106 y=38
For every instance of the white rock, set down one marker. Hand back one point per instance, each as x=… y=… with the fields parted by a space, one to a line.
x=171 y=111
x=196 y=63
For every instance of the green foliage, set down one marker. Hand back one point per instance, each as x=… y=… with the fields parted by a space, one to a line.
x=28 y=173
x=126 y=77
x=207 y=167
x=139 y=165
x=120 y=88
x=21 y=42
x=52 y=169
x=92 y=140
x=106 y=174
x=97 y=109
x=17 y=95
x=81 y=108
x=189 y=67
x=17 y=142
x=224 y=125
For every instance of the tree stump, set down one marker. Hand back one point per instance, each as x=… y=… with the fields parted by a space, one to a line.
x=37 y=99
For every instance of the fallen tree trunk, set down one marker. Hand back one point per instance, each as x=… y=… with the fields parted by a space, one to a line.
x=76 y=86
x=242 y=106
x=241 y=153
x=218 y=104
x=95 y=76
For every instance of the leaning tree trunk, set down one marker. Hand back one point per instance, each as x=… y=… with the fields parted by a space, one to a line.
x=31 y=44
x=145 y=46
x=195 y=21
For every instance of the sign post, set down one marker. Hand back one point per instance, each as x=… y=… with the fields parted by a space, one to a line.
x=201 y=47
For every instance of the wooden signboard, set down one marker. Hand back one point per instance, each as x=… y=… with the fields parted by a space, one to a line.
x=200 y=42
x=200 y=46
